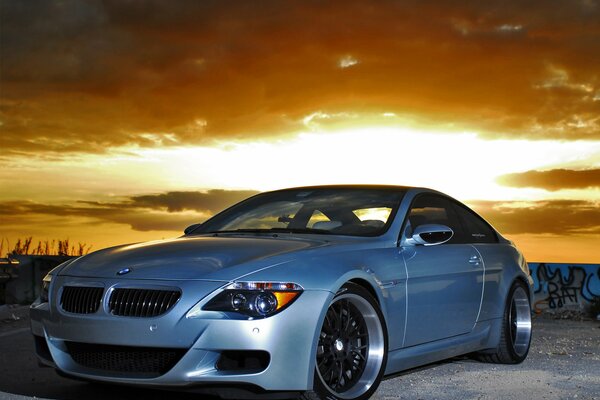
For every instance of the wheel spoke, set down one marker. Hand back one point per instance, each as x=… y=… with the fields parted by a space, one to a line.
x=330 y=371
x=359 y=355
x=340 y=375
x=335 y=321
x=341 y=318
x=327 y=323
x=359 y=368
x=349 y=317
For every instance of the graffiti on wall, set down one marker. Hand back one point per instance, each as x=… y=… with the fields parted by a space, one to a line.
x=564 y=286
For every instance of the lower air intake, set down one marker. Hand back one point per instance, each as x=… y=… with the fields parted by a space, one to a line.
x=148 y=362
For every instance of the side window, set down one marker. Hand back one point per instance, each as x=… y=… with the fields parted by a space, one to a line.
x=431 y=209
x=317 y=216
x=477 y=230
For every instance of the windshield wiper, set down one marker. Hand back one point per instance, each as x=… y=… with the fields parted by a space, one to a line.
x=276 y=230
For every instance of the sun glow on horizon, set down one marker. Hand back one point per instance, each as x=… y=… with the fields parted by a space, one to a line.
x=463 y=165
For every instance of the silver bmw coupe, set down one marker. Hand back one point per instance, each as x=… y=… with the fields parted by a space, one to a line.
x=313 y=293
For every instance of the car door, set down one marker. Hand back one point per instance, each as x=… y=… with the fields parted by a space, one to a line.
x=495 y=256
x=445 y=281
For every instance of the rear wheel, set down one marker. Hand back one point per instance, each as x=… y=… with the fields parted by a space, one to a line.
x=352 y=347
x=515 y=337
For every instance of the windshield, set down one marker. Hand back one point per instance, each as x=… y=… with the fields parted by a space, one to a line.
x=339 y=211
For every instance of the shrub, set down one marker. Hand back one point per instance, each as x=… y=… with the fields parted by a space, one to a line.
x=594 y=307
x=45 y=248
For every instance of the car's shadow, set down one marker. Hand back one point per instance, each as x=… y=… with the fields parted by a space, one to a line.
x=21 y=375
x=59 y=388
x=459 y=359
x=92 y=391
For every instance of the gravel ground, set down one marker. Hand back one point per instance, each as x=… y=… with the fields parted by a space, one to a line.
x=13 y=317
x=564 y=363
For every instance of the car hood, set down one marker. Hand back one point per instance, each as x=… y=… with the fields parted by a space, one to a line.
x=201 y=257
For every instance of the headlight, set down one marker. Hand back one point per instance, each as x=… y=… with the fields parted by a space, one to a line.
x=48 y=278
x=255 y=299
x=45 y=288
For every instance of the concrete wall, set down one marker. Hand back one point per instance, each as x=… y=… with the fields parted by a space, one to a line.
x=26 y=277
x=564 y=287
x=558 y=287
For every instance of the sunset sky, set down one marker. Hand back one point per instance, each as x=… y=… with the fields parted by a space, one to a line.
x=125 y=121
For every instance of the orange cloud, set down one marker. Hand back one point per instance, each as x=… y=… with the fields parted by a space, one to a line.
x=555 y=179
x=157 y=212
x=558 y=217
x=155 y=73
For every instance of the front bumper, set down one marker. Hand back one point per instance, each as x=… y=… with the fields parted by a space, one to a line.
x=288 y=337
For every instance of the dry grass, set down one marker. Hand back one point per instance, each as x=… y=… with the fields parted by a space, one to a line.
x=44 y=248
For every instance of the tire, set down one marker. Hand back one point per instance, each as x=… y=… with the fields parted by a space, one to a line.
x=352 y=348
x=515 y=335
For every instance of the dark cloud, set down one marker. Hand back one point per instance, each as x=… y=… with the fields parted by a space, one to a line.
x=555 y=179
x=211 y=201
x=15 y=212
x=85 y=76
x=559 y=217
x=176 y=210
x=143 y=213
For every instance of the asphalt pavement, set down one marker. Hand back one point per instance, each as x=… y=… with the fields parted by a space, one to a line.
x=563 y=363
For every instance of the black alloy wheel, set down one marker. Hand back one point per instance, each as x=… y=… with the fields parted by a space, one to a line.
x=352 y=347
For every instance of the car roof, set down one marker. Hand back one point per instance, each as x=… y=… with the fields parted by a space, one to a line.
x=350 y=186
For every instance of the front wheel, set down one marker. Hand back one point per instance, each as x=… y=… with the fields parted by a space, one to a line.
x=515 y=337
x=352 y=347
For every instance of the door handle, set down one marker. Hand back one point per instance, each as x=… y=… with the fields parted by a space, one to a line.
x=475 y=260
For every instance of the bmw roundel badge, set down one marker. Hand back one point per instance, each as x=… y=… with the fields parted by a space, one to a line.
x=124 y=271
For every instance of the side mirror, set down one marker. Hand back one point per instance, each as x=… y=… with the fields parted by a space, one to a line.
x=430 y=234
x=191 y=228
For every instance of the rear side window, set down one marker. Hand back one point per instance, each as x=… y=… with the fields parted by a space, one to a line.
x=317 y=216
x=476 y=229
x=432 y=209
